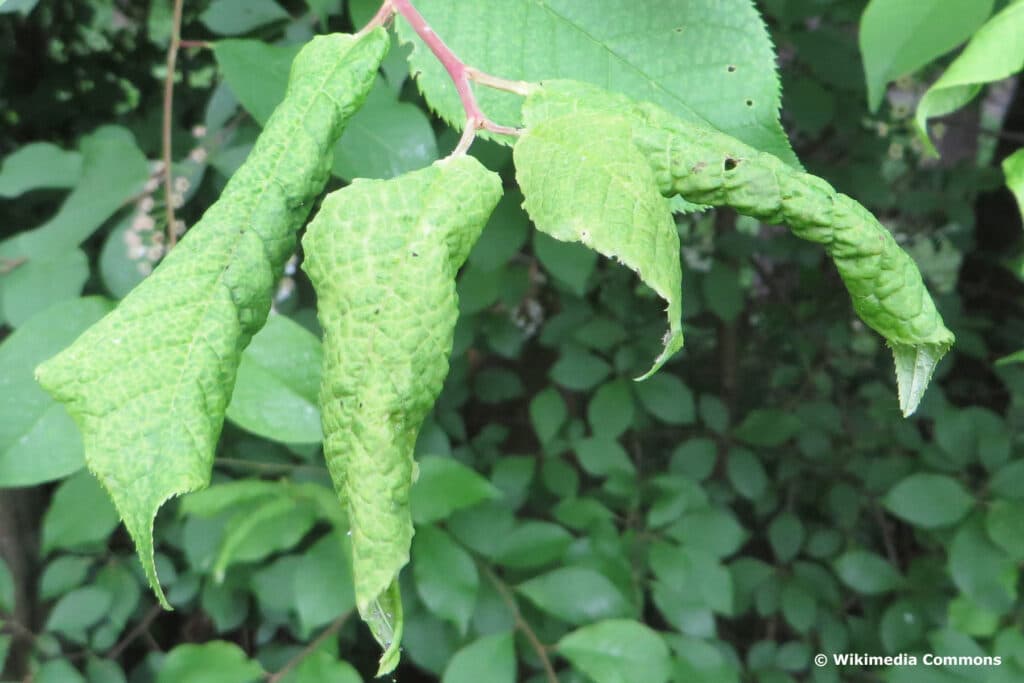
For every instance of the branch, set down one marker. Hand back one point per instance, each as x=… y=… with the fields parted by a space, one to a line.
x=458 y=71
x=522 y=624
x=172 y=62
x=140 y=628
x=310 y=649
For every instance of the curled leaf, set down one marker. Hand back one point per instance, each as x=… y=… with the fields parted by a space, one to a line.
x=382 y=256
x=149 y=383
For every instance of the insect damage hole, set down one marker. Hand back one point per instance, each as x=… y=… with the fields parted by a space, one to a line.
x=730 y=164
x=731 y=68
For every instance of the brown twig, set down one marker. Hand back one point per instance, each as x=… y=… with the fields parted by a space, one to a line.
x=334 y=627
x=140 y=629
x=521 y=623
x=198 y=44
x=172 y=62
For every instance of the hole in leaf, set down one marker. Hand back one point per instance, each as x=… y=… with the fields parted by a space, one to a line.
x=731 y=68
x=750 y=103
x=730 y=163
x=679 y=29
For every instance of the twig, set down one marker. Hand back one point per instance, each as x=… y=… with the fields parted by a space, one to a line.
x=381 y=18
x=199 y=44
x=7 y=265
x=334 y=627
x=268 y=467
x=140 y=628
x=172 y=62
x=461 y=75
x=521 y=623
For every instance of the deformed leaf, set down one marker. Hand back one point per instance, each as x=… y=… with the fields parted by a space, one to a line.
x=705 y=166
x=585 y=181
x=148 y=385
x=382 y=256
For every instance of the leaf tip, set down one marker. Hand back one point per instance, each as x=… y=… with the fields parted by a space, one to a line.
x=914 y=367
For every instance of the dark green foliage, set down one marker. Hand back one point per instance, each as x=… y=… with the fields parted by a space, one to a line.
x=757 y=502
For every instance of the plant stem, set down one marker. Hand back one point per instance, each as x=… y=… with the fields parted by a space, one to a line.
x=172 y=62
x=458 y=71
x=521 y=623
x=334 y=627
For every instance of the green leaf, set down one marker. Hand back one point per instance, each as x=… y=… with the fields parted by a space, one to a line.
x=80 y=514
x=981 y=569
x=445 y=486
x=533 y=544
x=78 y=610
x=766 y=427
x=446 y=576
x=746 y=473
x=1004 y=523
x=23 y=7
x=576 y=595
x=113 y=171
x=491 y=658
x=148 y=385
x=602 y=456
x=547 y=414
x=786 y=535
x=504 y=236
x=571 y=264
x=386 y=138
x=277 y=388
x=7 y=596
x=256 y=72
x=914 y=368
x=388 y=309
x=323 y=582
x=618 y=651
x=668 y=399
x=61 y=575
x=584 y=181
x=929 y=500
x=322 y=667
x=619 y=46
x=994 y=53
x=704 y=166
x=37 y=166
x=577 y=369
x=898 y=37
x=232 y=17
x=1013 y=168
x=610 y=411
x=867 y=573
x=58 y=670
x=41 y=281
x=212 y=662
x=38 y=440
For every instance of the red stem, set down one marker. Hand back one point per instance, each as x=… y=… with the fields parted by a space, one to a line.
x=460 y=74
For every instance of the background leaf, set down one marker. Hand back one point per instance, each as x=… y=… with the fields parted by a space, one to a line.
x=617 y=651
x=900 y=36
x=278 y=384
x=994 y=53
x=38 y=440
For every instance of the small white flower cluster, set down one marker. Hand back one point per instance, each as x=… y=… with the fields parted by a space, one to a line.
x=286 y=285
x=145 y=237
